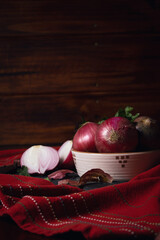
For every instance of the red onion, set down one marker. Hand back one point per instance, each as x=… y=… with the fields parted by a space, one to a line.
x=84 y=139
x=116 y=134
x=39 y=159
x=65 y=155
x=149 y=133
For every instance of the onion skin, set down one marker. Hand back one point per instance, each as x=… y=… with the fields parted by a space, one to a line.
x=116 y=134
x=60 y=174
x=149 y=133
x=84 y=138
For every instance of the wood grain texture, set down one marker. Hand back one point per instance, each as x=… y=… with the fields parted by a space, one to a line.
x=54 y=118
x=62 y=61
x=73 y=64
x=78 y=17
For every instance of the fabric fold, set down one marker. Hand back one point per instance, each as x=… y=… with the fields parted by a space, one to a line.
x=129 y=209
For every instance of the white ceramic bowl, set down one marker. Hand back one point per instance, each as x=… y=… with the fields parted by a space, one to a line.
x=121 y=166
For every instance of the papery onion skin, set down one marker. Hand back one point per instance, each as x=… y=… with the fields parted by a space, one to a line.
x=149 y=133
x=84 y=139
x=39 y=159
x=59 y=174
x=115 y=135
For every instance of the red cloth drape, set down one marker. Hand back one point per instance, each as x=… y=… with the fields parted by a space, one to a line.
x=128 y=209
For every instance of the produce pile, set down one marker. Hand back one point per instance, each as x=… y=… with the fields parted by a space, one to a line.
x=123 y=132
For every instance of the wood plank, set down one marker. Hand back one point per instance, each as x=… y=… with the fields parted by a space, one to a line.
x=31 y=65
x=61 y=61
x=76 y=17
x=52 y=119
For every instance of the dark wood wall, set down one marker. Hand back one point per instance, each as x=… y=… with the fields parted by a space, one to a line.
x=65 y=61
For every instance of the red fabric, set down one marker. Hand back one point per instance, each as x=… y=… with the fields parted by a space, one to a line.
x=126 y=209
x=7 y=157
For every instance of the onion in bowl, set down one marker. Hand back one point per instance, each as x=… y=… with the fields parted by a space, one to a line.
x=84 y=138
x=149 y=133
x=116 y=134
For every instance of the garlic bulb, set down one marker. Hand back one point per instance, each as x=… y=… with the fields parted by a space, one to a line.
x=39 y=159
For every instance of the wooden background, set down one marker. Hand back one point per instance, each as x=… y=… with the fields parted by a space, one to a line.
x=65 y=61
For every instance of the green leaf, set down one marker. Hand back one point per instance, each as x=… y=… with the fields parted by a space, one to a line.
x=47 y=179
x=128 y=109
x=126 y=112
x=23 y=171
x=120 y=113
x=102 y=120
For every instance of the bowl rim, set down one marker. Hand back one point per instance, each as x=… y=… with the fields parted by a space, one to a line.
x=118 y=153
